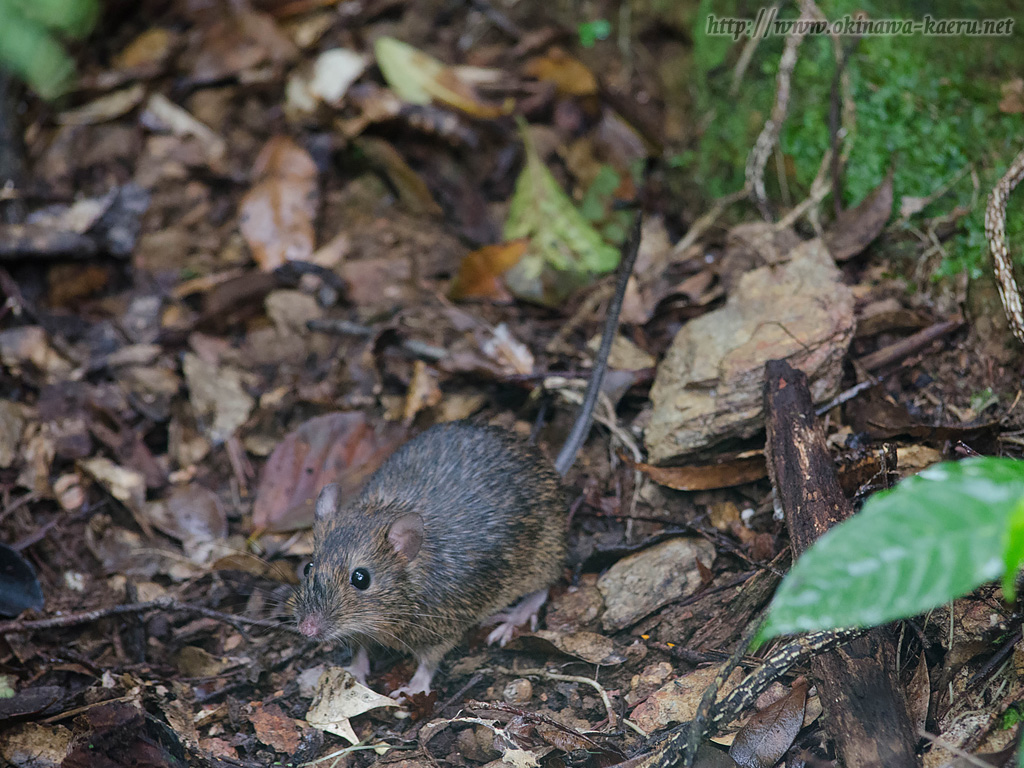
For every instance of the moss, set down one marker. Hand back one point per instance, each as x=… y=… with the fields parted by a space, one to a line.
x=927 y=105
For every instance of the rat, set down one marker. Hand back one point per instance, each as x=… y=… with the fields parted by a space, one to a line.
x=453 y=528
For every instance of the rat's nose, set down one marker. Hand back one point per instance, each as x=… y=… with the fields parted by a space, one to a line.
x=312 y=625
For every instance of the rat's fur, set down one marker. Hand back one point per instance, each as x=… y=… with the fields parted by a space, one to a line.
x=493 y=530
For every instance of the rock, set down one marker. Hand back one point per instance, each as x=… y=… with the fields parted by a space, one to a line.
x=708 y=387
x=640 y=584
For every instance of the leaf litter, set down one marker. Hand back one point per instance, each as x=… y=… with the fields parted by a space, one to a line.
x=293 y=197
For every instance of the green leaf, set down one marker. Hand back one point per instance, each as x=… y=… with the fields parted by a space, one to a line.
x=29 y=50
x=1013 y=552
x=592 y=31
x=932 y=538
x=406 y=69
x=74 y=18
x=565 y=250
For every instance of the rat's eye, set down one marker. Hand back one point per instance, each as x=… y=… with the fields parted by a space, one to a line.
x=308 y=569
x=360 y=578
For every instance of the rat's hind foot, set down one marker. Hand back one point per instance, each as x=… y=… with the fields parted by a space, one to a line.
x=522 y=612
x=360 y=666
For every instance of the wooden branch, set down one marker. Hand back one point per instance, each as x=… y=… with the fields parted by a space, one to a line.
x=866 y=711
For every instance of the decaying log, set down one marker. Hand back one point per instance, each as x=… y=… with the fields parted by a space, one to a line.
x=866 y=711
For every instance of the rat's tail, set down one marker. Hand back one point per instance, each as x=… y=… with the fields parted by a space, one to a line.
x=581 y=428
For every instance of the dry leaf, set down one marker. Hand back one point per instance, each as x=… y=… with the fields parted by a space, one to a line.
x=274 y=728
x=706 y=477
x=335 y=448
x=624 y=354
x=677 y=700
x=570 y=75
x=586 y=646
x=12 y=423
x=511 y=354
x=147 y=51
x=768 y=734
x=412 y=190
x=420 y=79
x=855 y=228
x=276 y=215
x=325 y=82
x=217 y=395
x=339 y=698
x=918 y=694
x=125 y=485
x=480 y=272
x=423 y=391
x=107 y=107
x=161 y=114
x=240 y=41
x=192 y=514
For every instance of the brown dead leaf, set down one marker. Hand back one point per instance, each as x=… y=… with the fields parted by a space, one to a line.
x=763 y=741
x=147 y=51
x=125 y=485
x=31 y=344
x=919 y=694
x=277 y=570
x=855 y=228
x=570 y=75
x=456 y=87
x=378 y=282
x=336 y=448
x=12 y=424
x=162 y=114
x=590 y=647
x=274 y=728
x=1012 y=91
x=423 y=391
x=192 y=514
x=412 y=190
x=106 y=107
x=276 y=215
x=480 y=272
x=338 y=698
x=238 y=41
x=705 y=477
x=194 y=661
x=218 y=395
x=508 y=352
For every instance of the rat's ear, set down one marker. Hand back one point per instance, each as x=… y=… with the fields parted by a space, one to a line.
x=406 y=535
x=327 y=501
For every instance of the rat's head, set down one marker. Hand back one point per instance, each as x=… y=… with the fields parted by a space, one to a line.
x=357 y=584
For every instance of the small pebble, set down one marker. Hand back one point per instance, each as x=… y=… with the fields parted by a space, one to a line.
x=518 y=691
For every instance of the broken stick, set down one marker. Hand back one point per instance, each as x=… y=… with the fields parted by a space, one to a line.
x=866 y=710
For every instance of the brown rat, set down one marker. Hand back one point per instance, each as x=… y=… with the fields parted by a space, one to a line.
x=456 y=525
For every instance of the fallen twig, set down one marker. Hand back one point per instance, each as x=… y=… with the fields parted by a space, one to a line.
x=160 y=604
